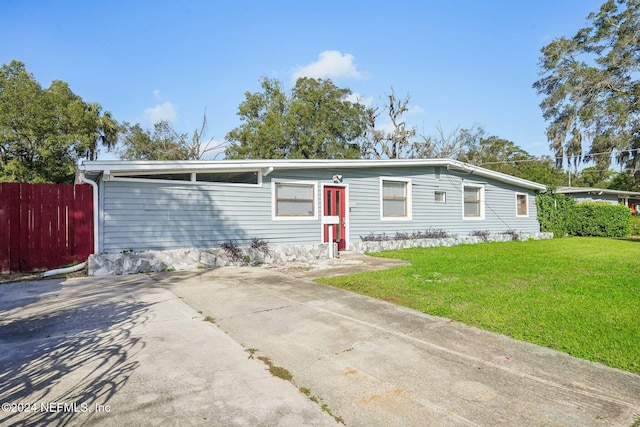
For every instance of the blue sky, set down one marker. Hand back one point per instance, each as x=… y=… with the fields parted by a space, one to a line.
x=462 y=62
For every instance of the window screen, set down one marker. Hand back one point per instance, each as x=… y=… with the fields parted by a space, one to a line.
x=294 y=200
x=472 y=202
x=522 y=205
x=394 y=198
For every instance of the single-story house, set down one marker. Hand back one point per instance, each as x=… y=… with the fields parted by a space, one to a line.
x=587 y=194
x=158 y=205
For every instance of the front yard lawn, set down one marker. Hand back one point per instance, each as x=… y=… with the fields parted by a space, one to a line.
x=577 y=295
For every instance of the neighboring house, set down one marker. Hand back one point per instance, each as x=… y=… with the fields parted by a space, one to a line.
x=200 y=204
x=584 y=194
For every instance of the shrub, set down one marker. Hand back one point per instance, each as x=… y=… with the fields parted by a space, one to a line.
x=374 y=237
x=433 y=233
x=233 y=251
x=427 y=234
x=601 y=219
x=515 y=236
x=260 y=245
x=482 y=234
x=635 y=225
x=561 y=215
x=555 y=213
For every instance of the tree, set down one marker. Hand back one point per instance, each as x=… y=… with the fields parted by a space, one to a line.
x=592 y=177
x=543 y=170
x=103 y=130
x=43 y=132
x=504 y=156
x=164 y=142
x=316 y=121
x=394 y=144
x=591 y=89
x=197 y=148
x=455 y=145
x=623 y=181
x=501 y=154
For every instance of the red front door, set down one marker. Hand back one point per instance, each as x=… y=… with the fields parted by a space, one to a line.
x=334 y=205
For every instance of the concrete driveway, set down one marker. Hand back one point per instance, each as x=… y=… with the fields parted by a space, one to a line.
x=376 y=364
x=123 y=351
x=137 y=350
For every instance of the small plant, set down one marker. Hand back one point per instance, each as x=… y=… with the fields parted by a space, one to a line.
x=402 y=236
x=323 y=406
x=233 y=251
x=515 y=236
x=427 y=234
x=374 y=237
x=251 y=352
x=276 y=371
x=432 y=233
x=305 y=391
x=260 y=245
x=209 y=319
x=482 y=234
x=326 y=409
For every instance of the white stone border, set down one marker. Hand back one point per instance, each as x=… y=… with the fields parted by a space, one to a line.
x=190 y=259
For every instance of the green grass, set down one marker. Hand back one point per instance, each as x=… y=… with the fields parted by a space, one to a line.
x=577 y=295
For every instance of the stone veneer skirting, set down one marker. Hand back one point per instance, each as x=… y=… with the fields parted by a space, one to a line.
x=187 y=259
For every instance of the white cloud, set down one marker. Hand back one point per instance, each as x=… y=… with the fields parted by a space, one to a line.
x=331 y=64
x=357 y=98
x=156 y=94
x=415 y=109
x=165 y=111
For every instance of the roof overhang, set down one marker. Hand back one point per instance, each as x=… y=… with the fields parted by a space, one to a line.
x=105 y=168
x=596 y=191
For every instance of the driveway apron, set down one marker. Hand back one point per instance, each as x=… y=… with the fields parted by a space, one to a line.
x=372 y=363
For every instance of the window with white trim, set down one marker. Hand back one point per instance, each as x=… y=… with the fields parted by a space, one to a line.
x=294 y=200
x=522 y=205
x=395 y=195
x=473 y=203
x=440 y=197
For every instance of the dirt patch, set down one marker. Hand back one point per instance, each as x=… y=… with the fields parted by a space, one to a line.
x=35 y=275
x=347 y=263
x=19 y=277
x=301 y=268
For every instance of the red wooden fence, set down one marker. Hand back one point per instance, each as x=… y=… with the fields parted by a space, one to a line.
x=44 y=226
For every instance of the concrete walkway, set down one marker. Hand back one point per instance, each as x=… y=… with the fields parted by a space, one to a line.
x=137 y=350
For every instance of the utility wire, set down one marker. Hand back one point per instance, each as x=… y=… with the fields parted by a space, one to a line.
x=631 y=150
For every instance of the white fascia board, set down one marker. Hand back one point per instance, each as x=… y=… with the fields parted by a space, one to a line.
x=499 y=176
x=120 y=166
x=582 y=190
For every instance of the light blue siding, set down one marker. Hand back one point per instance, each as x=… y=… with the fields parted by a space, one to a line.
x=586 y=197
x=500 y=204
x=160 y=215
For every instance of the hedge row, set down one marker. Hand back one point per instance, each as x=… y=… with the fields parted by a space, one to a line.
x=561 y=215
